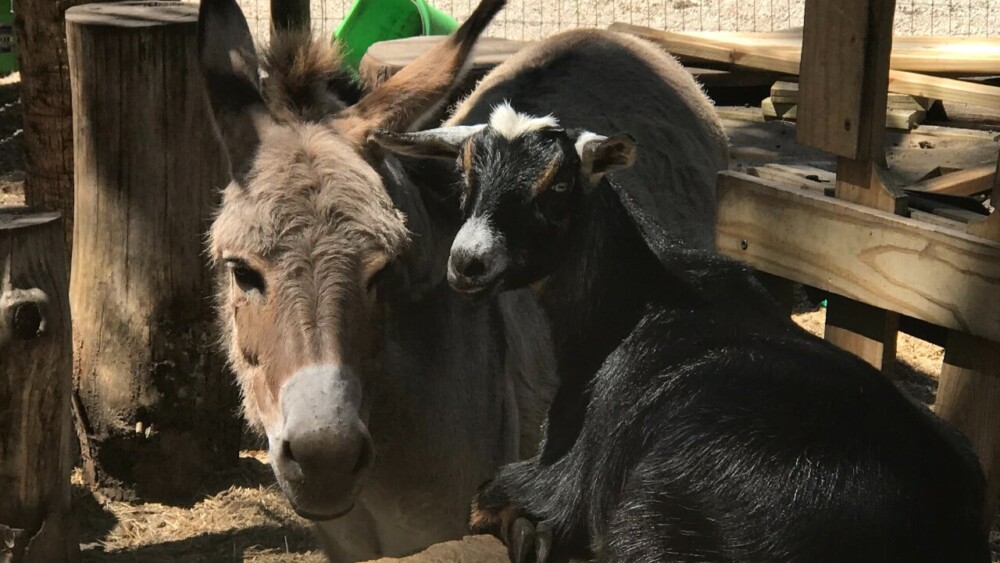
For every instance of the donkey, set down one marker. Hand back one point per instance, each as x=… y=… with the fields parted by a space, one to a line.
x=713 y=427
x=385 y=398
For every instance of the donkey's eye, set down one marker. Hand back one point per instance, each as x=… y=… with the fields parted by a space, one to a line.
x=246 y=278
x=560 y=188
x=376 y=280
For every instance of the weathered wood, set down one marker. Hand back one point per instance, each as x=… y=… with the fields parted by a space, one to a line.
x=968 y=397
x=970 y=181
x=45 y=100
x=990 y=228
x=36 y=359
x=969 y=387
x=925 y=271
x=972 y=56
x=148 y=174
x=867 y=332
x=866 y=182
x=701 y=51
x=844 y=75
x=386 y=58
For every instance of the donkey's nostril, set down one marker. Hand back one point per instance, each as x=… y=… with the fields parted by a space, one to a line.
x=473 y=267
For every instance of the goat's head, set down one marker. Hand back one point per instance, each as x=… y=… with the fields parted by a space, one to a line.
x=525 y=180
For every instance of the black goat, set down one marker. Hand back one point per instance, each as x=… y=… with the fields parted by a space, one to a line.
x=694 y=420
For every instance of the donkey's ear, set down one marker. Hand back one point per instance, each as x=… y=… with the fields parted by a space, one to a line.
x=418 y=90
x=229 y=65
x=600 y=155
x=443 y=142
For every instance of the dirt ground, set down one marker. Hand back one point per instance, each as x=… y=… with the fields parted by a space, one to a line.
x=240 y=515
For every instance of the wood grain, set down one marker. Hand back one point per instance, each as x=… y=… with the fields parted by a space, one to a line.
x=970 y=181
x=703 y=50
x=148 y=173
x=968 y=397
x=36 y=357
x=844 y=75
x=925 y=271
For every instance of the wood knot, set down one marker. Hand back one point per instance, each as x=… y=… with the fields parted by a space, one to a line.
x=28 y=321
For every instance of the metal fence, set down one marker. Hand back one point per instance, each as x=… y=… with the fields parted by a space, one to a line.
x=534 y=19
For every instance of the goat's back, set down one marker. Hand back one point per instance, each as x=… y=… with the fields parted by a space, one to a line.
x=607 y=83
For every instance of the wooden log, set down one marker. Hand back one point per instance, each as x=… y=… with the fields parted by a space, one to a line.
x=159 y=403
x=36 y=359
x=925 y=271
x=48 y=116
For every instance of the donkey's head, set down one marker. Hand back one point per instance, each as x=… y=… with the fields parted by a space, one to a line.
x=306 y=233
x=525 y=181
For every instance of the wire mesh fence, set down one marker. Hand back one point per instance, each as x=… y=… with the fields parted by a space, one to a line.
x=534 y=19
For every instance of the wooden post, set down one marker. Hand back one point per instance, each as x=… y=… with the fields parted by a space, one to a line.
x=35 y=387
x=843 y=91
x=45 y=96
x=968 y=393
x=159 y=405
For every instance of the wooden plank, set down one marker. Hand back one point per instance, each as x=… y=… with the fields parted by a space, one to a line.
x=845 y=69
x=788 y=112
x=867 y=332
x=925 y=271
x=970 y=181
x=706 y=50
x=990 y=228
x=785 y=92
x=386 y=58
x=947 y=55
x=788 y=177
x=904 y=119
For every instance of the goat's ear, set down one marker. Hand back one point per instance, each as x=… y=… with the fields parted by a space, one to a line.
x=600 y=155
x=418 y=90
x=229 y=65
x=444 y=142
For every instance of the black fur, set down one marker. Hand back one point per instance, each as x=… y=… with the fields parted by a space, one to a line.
x=695 y=421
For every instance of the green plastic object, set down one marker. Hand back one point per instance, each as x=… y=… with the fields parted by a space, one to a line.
x=8 y=49
x=371 y=21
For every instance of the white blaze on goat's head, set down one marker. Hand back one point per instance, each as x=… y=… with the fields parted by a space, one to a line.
x=510 y=124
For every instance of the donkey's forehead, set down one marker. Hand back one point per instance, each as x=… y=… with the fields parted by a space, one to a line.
x=306 y=180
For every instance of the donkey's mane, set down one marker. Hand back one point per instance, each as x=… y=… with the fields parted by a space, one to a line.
x=305 y=77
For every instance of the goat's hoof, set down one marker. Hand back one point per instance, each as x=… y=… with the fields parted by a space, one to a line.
x=528 y=542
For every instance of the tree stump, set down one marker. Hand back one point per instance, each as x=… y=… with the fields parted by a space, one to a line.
x=48 y=117
x=159 y=406
x=35 y=388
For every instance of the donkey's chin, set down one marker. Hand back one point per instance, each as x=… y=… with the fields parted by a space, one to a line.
x=313 y=502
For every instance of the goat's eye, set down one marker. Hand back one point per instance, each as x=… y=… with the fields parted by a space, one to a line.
x=246 y=278
x=560 y=188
